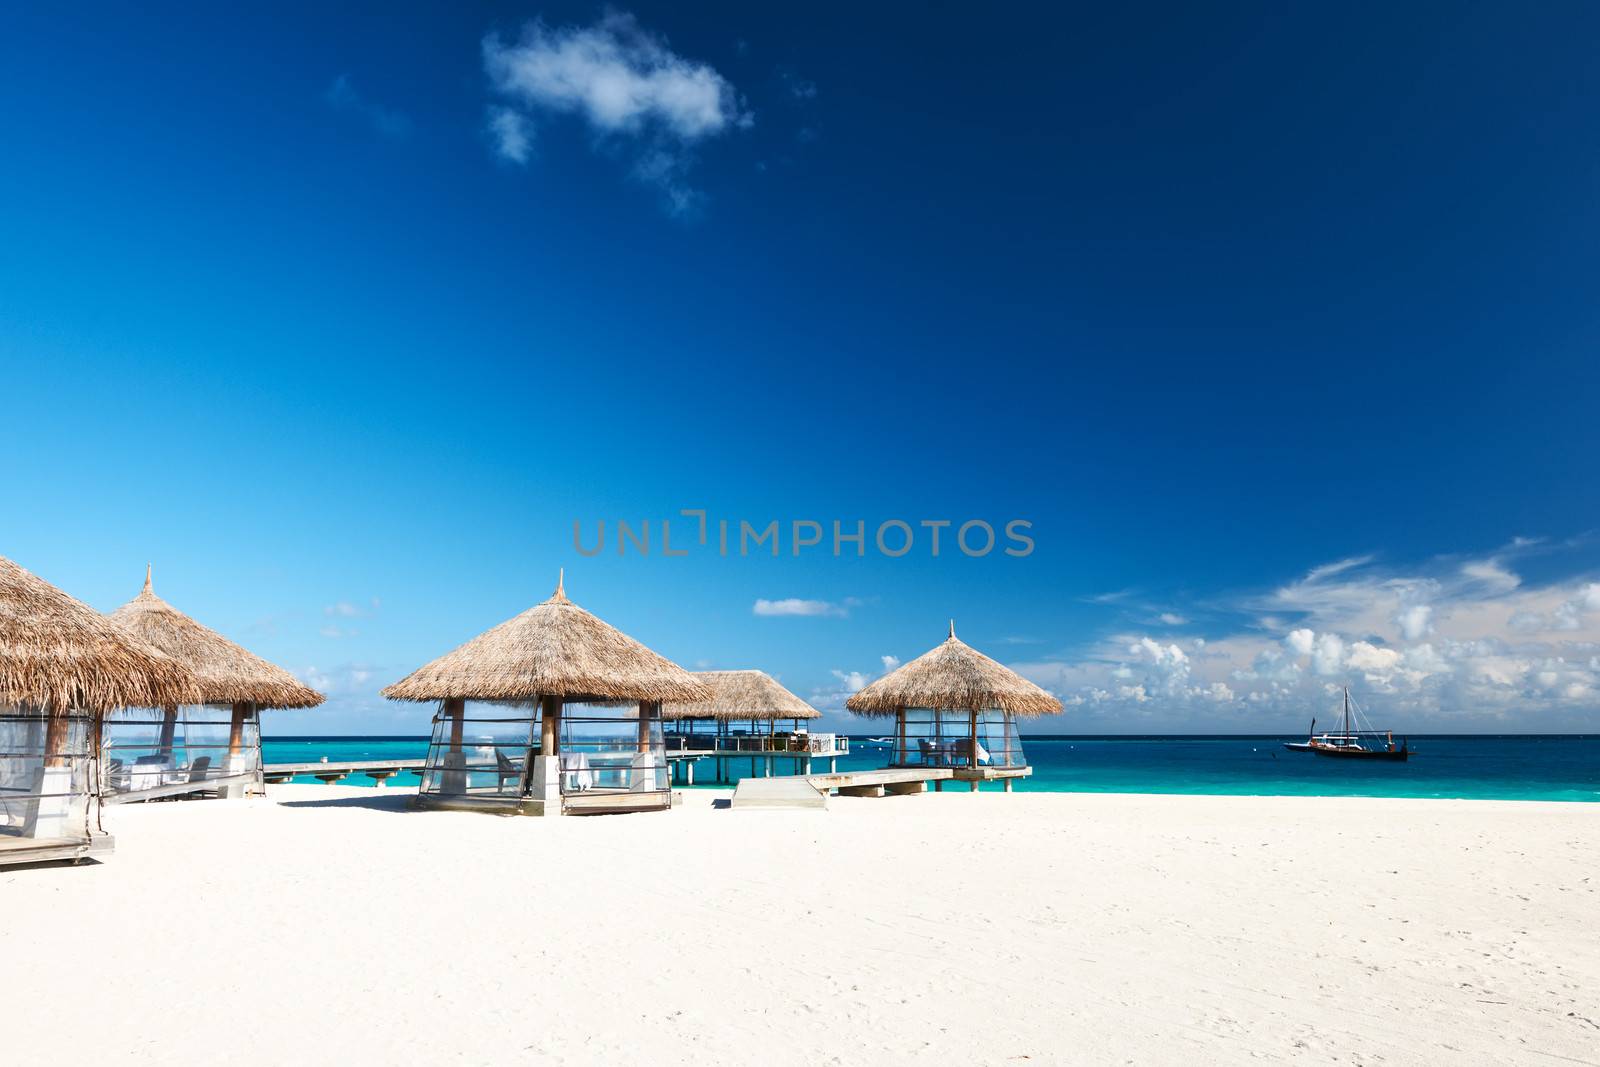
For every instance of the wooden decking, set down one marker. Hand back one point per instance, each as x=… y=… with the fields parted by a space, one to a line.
x=328 y=773
x=887 y=781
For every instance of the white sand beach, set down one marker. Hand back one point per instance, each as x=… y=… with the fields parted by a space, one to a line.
x=331 y=924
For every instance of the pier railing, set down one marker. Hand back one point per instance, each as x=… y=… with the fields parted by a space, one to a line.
x=757 y=744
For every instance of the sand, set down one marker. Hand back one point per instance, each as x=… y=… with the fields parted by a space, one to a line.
x=331 y=924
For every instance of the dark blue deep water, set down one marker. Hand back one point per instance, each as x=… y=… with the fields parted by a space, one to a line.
x=1504 y=767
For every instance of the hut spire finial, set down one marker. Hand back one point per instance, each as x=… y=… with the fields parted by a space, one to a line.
x=561 y=583
x=147 y=571
x=952 y=629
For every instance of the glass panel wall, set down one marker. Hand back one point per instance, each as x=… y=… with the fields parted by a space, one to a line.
x=738 y=735
x=484 y=754
x=929 y=737
x=47 y=789
x=164 y=751
x=603 y=750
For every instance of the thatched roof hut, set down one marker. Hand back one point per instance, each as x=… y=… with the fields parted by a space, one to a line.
x=583 y=758
x=554 y=649
x=742 y=695
x=59 y=655
x=227 y=674
x=953 y=677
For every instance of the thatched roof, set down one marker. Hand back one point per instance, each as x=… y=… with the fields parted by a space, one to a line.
x=553 y=649
x=955 y=677
x=742 y=695
x=227 y=673
x=59 y=655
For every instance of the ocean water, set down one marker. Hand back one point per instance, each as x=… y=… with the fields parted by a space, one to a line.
x=1485 y=767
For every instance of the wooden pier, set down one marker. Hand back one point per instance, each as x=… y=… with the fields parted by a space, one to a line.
x=728 y=754
x=681 y=766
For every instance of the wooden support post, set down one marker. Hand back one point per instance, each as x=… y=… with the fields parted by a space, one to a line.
x=972 y=786
x=236 y=733
x=972 y=747
x=688 y=769
x=648 y=710
x=900 y=754
x=57 y=733
x=549 y=726
x=452 y=775
x=169 y=729
x=1006 y=785
x=456 y=708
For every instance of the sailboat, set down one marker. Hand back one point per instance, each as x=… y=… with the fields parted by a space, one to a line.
x=1313 y=739
x=1355 y=743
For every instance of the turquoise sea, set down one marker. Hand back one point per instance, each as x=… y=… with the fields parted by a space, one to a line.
x=1498 y=767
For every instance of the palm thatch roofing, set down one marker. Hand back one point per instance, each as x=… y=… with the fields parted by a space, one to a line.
x=59 y=655
x=742 y=695
x=953 y=677
x=554 y=649
x=227 y=673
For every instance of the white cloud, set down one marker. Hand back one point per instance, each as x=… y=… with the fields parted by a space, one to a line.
x=795 y=606
x=853 y=681
x=344 y=680
x=1491 y=574
x=1327 y=657
x=1172 y=618
x=1445 y=644
x=1415 y=621
x=890 y=663
x=512 y=133
x=344 y=609
x=623 y=82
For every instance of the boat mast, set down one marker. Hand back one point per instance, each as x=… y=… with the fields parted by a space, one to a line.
x=1347 y=713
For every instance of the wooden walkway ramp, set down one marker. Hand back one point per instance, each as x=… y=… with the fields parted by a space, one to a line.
x=811 y=790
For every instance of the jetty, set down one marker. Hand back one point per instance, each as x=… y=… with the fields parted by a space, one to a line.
x=380 y=771
x=739 y=721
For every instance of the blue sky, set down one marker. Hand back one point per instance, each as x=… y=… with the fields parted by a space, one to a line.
x=1277 y=326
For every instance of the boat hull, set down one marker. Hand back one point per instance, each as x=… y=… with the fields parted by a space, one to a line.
x=1398 y=756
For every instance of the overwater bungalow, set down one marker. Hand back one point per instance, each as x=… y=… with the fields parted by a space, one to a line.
x=955 y=707
x=207 y=748
x=552 y=712
x=749 y=716
x=62 y=666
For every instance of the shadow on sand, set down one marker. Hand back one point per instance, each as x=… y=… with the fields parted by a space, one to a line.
x=380 y=801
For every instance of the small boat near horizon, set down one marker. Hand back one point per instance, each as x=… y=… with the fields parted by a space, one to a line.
x=1353 y=742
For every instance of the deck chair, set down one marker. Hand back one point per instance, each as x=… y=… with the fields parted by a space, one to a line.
x=504 y=769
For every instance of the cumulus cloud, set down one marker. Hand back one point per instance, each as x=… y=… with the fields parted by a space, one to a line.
x=1415 y=621
x=1449 y=643
x=625 y=84
x=796 y=606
